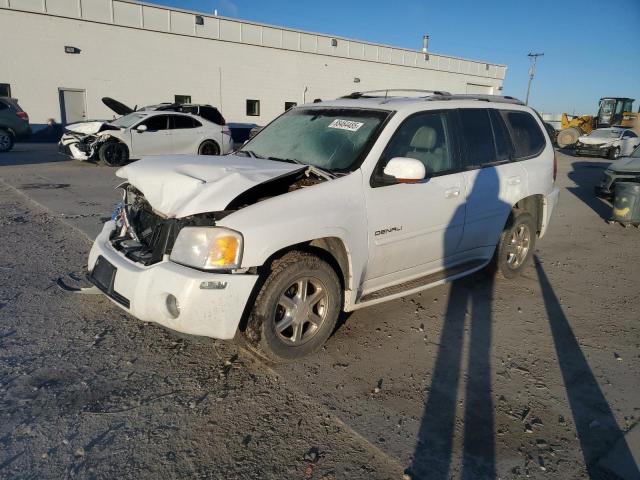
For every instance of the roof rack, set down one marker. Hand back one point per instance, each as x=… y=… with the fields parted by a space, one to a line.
x=387 y=90
x=481 y=97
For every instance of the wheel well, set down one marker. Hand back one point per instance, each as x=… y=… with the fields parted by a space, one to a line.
x=9 y=131
x=330 y=249
x=533 y=205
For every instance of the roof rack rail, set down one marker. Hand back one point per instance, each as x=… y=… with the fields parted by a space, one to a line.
x=482 y=98
x=386 y=91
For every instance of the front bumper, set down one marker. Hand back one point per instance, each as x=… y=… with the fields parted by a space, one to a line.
x=203 y=311
x=69 y=146
x=606 y=188
x=592 y=151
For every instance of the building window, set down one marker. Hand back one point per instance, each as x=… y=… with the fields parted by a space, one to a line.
x=5 y=90
x=253 y=108
x=199 y=20
x=288 y=105
x=182 y=98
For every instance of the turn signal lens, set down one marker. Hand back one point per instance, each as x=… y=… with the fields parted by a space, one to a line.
x=224 y=251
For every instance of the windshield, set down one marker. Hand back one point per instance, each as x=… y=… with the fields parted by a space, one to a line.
x=127 y=120
x=605 y=134
x=606 y=107
x=329 y=138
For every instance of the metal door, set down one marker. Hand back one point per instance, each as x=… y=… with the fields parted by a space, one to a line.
x=72 y=105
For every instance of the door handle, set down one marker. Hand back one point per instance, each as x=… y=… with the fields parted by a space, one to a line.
x=514 y=180
x=452 y=192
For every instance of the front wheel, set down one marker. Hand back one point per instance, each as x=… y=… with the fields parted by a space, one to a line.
x=6 y=141
x=209 y=147
x=614 y=153
x=516 y=246
x=297 y=307
x=113 y=154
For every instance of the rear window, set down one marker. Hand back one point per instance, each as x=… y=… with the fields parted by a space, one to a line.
x=478 y=136
x=526 y=136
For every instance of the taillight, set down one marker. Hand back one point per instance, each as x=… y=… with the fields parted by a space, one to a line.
x=555 y=165
x=23 y=116
x=226 y=131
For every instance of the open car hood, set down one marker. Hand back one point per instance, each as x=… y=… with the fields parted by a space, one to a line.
x=116 y=106
x=626 y=164
x=183 y=185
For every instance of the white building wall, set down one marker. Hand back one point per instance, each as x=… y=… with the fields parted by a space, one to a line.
x=142 y=54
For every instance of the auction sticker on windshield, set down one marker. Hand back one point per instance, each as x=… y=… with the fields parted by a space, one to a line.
x=346 y=125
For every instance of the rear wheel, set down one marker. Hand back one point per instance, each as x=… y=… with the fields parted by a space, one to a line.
x=113 y=154
x=209 y=147
x=516 y=246
x=6 y=141
x=297 y=307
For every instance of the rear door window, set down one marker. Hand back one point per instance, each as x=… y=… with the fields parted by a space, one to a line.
x=526 y=136
x=501 y=136
x=478 y=137
x=182 y=122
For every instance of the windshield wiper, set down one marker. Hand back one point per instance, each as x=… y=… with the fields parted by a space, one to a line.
x=323 y=172
x=288 y=160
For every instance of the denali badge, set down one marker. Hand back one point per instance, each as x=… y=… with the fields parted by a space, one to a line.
x=388 y=230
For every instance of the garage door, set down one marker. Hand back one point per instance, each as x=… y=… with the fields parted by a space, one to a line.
x=477 y=88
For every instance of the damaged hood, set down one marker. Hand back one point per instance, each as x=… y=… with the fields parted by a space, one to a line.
x=628 y=164
x=183 y=185
x=86 y=128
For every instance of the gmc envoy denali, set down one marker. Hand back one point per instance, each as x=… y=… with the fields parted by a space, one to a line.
x=332 y=207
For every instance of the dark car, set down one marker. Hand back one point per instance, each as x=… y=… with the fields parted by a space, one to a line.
x=14 y=123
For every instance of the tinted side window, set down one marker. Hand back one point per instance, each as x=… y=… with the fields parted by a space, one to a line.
x=478 y=136
x=3 y=106
x=501 y=136
x=629 y=134
x=424 y=137
x=526 y=136
x=180 y=122
x=159 y=122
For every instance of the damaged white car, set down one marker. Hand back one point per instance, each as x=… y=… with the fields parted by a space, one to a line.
x=144 y=132
x=332 y=207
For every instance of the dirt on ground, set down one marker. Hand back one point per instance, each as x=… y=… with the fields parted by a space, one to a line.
x=529 y=378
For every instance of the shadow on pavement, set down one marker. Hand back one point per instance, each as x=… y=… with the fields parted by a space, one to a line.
x=596 y=425
x=32 y=154
x=586 y=175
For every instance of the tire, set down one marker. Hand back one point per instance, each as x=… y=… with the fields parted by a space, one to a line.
x=285 y=326
x=614 y=153
x=515 y=247
x=6 y=141
x=209 y=147
x=113 y=154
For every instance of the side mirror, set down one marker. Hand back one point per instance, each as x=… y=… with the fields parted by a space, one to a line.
x=405 y=169
x=141 y=128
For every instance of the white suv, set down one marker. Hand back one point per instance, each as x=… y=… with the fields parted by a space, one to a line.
x=333 y=206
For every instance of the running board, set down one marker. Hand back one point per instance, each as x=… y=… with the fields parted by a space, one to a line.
x=422 y=283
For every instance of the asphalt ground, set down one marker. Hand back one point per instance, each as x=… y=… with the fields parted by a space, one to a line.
x=482 y=378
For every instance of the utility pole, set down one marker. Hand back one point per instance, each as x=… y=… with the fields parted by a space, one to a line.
x=532 y=71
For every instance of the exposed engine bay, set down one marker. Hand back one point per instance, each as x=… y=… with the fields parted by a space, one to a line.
x=82 y=141
x=146 y=236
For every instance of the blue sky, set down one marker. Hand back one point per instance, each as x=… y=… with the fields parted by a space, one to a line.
x=591 y=47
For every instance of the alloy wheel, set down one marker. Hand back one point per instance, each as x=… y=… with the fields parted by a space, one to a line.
x=301 y=311
x=518 y=246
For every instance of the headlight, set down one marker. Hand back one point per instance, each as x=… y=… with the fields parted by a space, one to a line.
x=208 y=248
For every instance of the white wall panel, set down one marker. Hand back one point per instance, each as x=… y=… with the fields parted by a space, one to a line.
x=183 y=23
x=230 y=31
x=29 y=5
x=155 y=18
x=271 y=37
x=68 y=8
x=251 y=33
x=126 y=14
x=96 y=10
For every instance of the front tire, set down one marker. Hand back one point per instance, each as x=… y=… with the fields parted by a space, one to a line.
x=209 y=147
x=614 y=153
x=113 y=154
x=516 y=246
x=6 y=141
x=297 y=307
